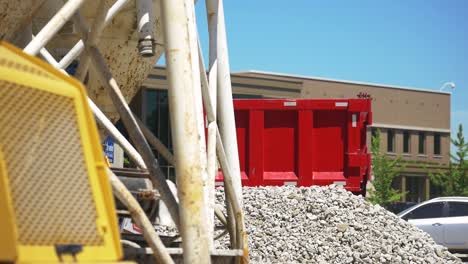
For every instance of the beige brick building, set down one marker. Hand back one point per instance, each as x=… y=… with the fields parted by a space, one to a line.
x=414 y=123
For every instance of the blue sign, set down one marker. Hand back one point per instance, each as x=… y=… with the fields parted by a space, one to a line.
x=109 y=148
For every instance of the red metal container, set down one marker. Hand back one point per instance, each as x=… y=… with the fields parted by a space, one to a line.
x=303 y=142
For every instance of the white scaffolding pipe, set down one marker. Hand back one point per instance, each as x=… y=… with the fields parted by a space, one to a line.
x=184 y=82
x=79 y=46
x=91 y=40
x=156 y=175
x=226 y=121
x=48 y=57
x=139 y=217
x=212 y=168
x=211 y=92
x=115 y=133
x=53 y=26
x=107 y=124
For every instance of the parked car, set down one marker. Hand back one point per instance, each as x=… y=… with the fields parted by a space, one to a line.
x=444 y=218
x=397 y=207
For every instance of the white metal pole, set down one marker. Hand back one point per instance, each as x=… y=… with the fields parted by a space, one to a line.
x=145 y=27
x=106 y=123
x=184 y=83
x=156 y=175
x=48 y=57
x=53 y=26
x=139 y=216
x=212 y=168
x=91 y=39
x=115 y=133
x=226 y=121
x=212 y=81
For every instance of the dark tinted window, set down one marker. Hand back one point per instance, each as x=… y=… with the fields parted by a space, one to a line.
x=374 y=132
x=432 y=210
x=406 y=142
x=422 y=143
x=390 y=141
x=458 y=209
x=437 y=144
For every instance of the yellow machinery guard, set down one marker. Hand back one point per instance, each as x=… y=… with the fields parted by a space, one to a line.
x=55 y=198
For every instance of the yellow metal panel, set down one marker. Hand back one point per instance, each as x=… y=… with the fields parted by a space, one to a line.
x=60 y=193
x=7 y=227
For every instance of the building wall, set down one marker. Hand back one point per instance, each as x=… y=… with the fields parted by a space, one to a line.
x=391 y=106
x=394 y=109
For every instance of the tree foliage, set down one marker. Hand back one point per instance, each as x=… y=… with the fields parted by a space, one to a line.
x=384 y=171
x=454 y=181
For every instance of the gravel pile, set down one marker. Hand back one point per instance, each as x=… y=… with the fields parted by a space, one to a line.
x=329 y=225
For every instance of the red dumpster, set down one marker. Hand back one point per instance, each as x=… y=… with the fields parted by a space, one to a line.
x=303 y=142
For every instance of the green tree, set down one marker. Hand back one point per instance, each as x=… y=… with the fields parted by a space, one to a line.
x=454 y=181
x=385 y=170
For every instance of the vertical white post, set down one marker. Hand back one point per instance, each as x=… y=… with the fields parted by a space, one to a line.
x=212 y=81
x=212 y=167
x=226 y=121
x=187 y=123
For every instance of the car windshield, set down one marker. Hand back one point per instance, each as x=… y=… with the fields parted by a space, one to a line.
x=400 y=214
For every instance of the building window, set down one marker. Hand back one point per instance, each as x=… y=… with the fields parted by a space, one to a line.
x=437 y=144
x=246 y=96
x=156 y=116
x=390 y=140
x=422 y=143
x=406 y=142
x=374 y=132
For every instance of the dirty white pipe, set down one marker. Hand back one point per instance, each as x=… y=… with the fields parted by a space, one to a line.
x=165 y=218
x=145 y=19
x=225 y=109
x=212 y=93
x=212 y=168
x=115 y=133
x=79 y=46
x=48 y=57
x=107 y=124
x=235 y=221
x=139 y=217
x=184 y=82
x=91 y=39
x=157 y=177
x=156 y=143
x=53 y=26
x=241 y=237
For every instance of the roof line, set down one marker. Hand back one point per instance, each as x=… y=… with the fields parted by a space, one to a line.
x=341 y=81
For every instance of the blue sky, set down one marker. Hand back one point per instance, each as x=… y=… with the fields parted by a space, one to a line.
x=407 y=43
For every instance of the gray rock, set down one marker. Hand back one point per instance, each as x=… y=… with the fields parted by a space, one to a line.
x=328 y=225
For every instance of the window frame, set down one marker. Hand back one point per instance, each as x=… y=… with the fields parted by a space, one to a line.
x=407 y=132
x=444 y=211
x=390 y=140
x=439 y=137
x=422 y=135
x=449 y=203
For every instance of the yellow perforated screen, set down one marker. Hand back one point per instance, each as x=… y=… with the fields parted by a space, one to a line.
x=51 y=195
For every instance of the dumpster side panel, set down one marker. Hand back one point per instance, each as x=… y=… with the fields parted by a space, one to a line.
x=303 y=142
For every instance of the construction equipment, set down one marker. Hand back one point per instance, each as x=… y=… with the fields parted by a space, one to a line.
x=111 y=61
x=56 y=202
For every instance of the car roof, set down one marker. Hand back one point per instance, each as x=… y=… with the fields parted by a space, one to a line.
x=439 y=199
x=450 y=199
